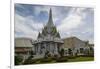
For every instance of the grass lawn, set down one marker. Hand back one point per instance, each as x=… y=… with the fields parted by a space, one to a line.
x=79 y=59
x=46 y=61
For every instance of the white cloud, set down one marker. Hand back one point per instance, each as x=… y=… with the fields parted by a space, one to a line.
x=27 y=25
x=72 y=21
x=38 y=9
x=22 y=24
x=36 y=26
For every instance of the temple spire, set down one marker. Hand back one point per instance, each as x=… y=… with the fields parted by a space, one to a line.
x=50 y=15
x=50 y=21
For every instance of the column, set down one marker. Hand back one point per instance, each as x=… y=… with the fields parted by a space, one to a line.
x=56 y=48
x=36 y=49
x=39 y=48
x=50 y=48
x=45 y=48
x=53 y=47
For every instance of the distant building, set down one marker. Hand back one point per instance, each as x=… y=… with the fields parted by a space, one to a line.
x=23 y=46
x=75 y=46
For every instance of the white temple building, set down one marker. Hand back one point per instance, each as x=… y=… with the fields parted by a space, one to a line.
x=48 y=40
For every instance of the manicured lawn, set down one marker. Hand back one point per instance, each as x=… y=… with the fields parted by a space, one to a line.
x=79 y=59
x=76 y=59
x=60 y=60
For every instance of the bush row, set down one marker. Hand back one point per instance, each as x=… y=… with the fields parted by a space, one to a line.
x=46 y=60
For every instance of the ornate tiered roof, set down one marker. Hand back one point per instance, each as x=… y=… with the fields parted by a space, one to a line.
x=49 y=32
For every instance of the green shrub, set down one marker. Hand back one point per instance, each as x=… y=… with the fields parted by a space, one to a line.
x=72 y=57
x=49 y=55
x=18 y=60
x=61 y=52
x=64 y=59
x=55 y=57
x=30 y=61
x=46 y=60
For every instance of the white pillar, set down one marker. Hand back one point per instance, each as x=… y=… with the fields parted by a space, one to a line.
x=56 y=48
x=44 y=46
x=39 y=48
x=36 y=49
x=44 y=49
x=53 y=48
x=50 y=47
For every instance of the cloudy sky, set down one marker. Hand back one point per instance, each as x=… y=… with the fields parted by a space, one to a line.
x=70 y=21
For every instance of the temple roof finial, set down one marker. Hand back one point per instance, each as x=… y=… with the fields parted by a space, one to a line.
x=50 y=14
x=50 y=21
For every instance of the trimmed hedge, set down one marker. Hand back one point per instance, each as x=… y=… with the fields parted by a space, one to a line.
x=27 y=61
x=18 y=60
x=46 y=60
x=72 y=57
x=63 y=59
